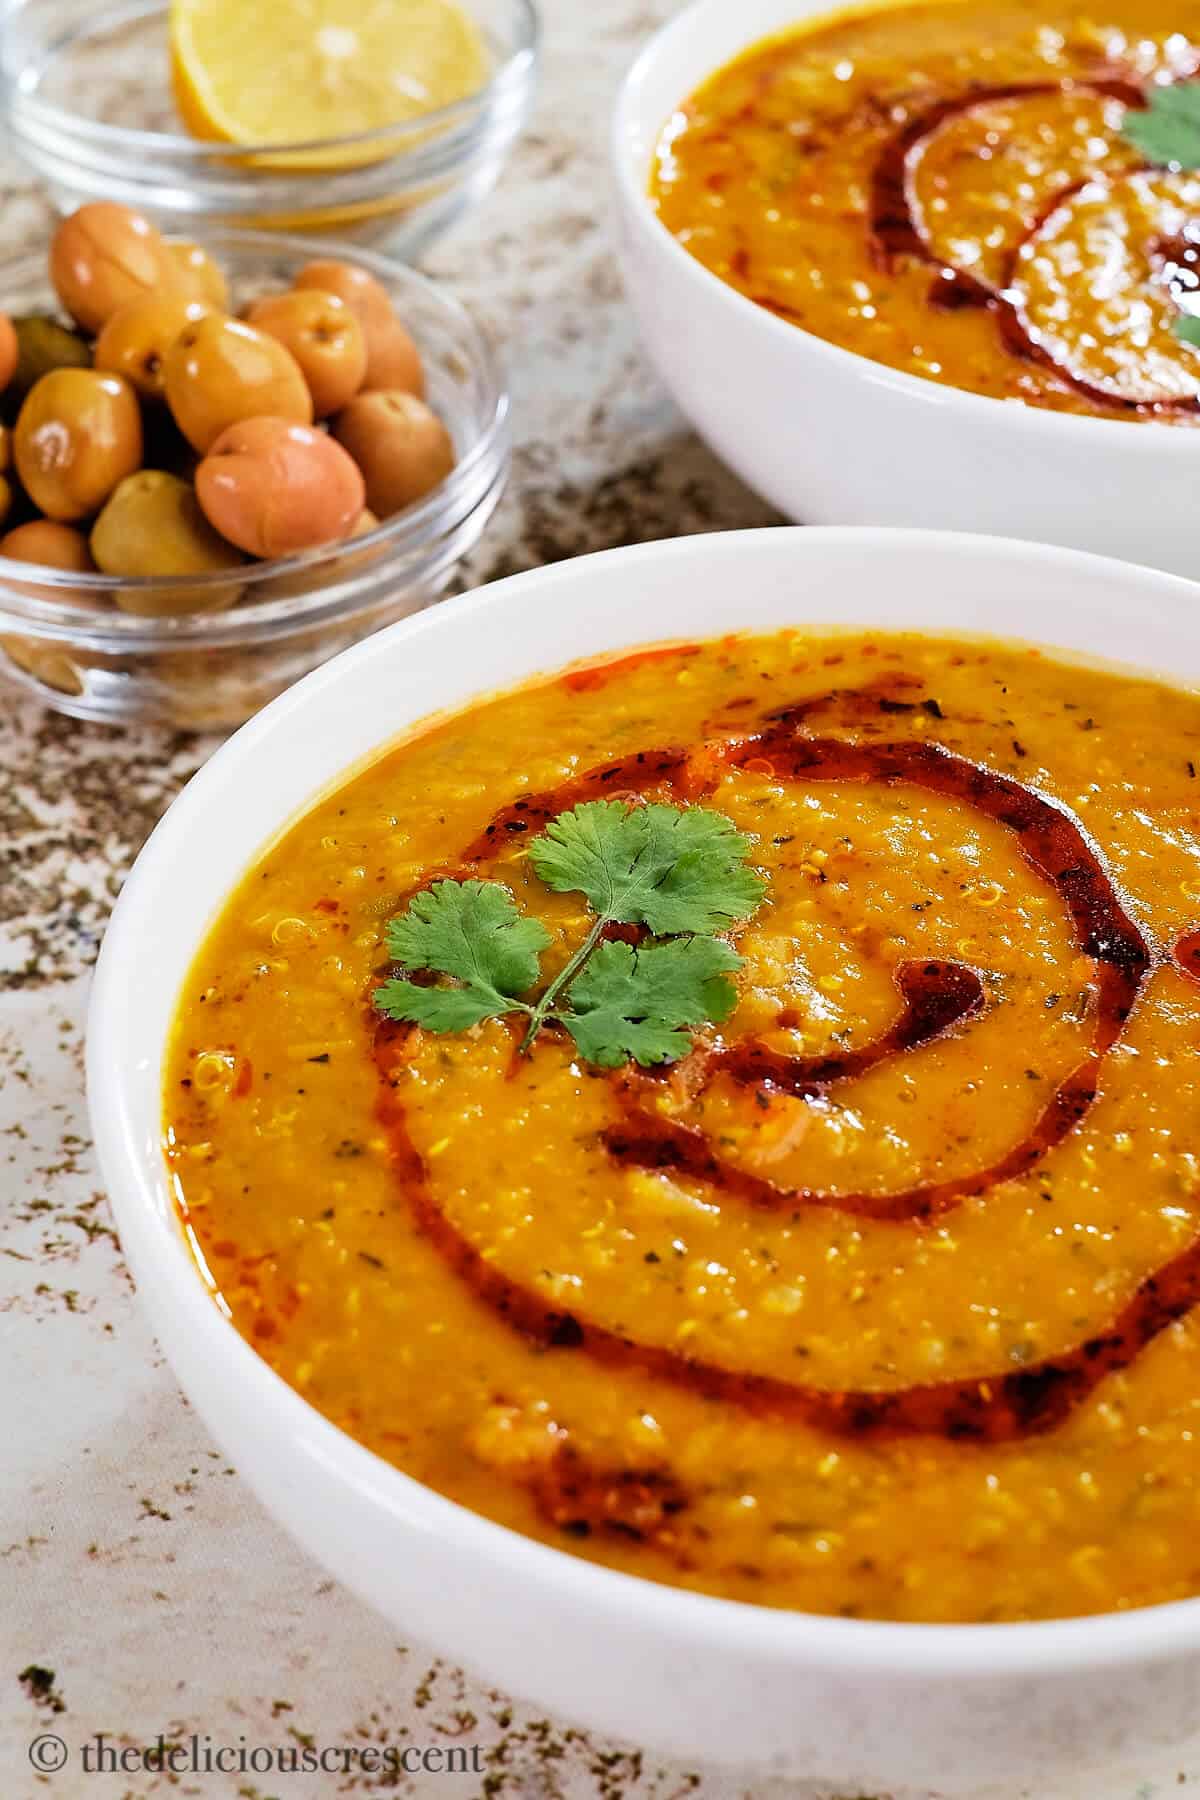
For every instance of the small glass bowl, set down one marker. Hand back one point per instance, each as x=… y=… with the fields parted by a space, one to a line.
x=86 y=94
x=63 y=637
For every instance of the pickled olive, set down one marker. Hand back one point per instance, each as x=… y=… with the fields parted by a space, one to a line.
x=104 y=255
x=5 y=448
x=6 y=498
x=401 y=446
x=135 y=341
x=77 y=435
x=275 y=488
x=393 y=360
x=153 y=525
x=325 y=338
x=9 y=351
x=55 y=547
x=327 y=570
x=198 y=276
x=42 y=345
x=220 y=370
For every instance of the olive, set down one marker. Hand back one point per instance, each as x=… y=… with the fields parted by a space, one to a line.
x=42 y=345
x=136 y=339
x=9 y=350
x=198 y=276
x=401 y=446
x=393 y=360
x=325 y=338
x=5 y=448
x=6 y=498
x=78 y=434
x=104 y=255
x=153 y=525
x=275 y=488
x=55 y=547
x=220 y=370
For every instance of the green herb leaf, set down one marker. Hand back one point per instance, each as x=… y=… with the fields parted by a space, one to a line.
x=1188 y=328
x=473 y=932
x=1167 y=132
x=670 y=868
x=629 y=1002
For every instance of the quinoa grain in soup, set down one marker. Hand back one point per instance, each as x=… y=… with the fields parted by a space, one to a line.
x=986 y=195
x=734 y=1113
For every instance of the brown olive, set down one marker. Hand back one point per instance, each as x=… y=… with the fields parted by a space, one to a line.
x=5 y=448
x=42 y=345
x=393 y=360
x=306 y=580
x=153 y=525
x=6 y=498
x=325 y=338
x=55 y=547
x=104 y=255
x=220 y=370
x=9 y=351
x=198 y=276
x=275 y=488
x=401 y=446
x=78 y=434
x=136 y=339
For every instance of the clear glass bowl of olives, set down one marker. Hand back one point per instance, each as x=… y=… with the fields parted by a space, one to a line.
x=92 y=130
x=221 y=462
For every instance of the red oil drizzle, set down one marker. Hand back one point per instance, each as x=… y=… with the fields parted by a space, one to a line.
x=896 y=231
x=938 y=997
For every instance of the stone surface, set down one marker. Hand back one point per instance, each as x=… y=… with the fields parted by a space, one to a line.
x=142 y=1589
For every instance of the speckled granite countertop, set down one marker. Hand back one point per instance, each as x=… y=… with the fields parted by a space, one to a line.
x=142 y=1589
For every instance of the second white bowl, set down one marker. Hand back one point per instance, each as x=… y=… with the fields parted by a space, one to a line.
x=831 y=438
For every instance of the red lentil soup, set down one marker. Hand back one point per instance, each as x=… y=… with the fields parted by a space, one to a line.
x=878 y=1302
x=949 y=189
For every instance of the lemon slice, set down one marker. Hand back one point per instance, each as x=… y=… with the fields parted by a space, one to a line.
x=288 y=71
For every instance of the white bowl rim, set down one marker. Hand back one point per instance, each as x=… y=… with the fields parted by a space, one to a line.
x=963 y=1652
x=1152 y=436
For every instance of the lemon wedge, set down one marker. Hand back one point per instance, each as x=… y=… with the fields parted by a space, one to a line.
x=299 y=71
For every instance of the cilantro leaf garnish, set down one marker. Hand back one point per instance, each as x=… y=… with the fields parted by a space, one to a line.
x=1188 y=328
x=474 y=931
x=670 y=869
x=1167 y=129
x=679 y=872
x=629 y=1002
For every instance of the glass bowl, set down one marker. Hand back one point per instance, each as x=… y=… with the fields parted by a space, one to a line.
x=86 y=94
x=63 y=637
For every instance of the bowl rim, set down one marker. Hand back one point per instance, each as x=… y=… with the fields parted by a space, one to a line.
x=412 y=532
x=174 y=1283
x=630 y=129
x=514 y=71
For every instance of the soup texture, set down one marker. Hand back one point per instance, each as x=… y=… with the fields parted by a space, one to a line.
x=878 y=1301
x=957 y=190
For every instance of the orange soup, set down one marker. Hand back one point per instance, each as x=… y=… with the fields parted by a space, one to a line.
x=970 y=193
x=874 y=1297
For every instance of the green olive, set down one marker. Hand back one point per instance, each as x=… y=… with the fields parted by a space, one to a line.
x=135 y=341
x=42 y=345
x=153 y=525
x=78 y=434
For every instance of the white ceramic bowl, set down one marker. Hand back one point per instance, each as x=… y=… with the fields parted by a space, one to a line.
x=828 y=436
x=939 y=1707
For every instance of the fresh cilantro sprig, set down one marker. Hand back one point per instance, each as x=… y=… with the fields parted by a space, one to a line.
x=680 y=872
x=1167 y=129
x=1167 y=132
